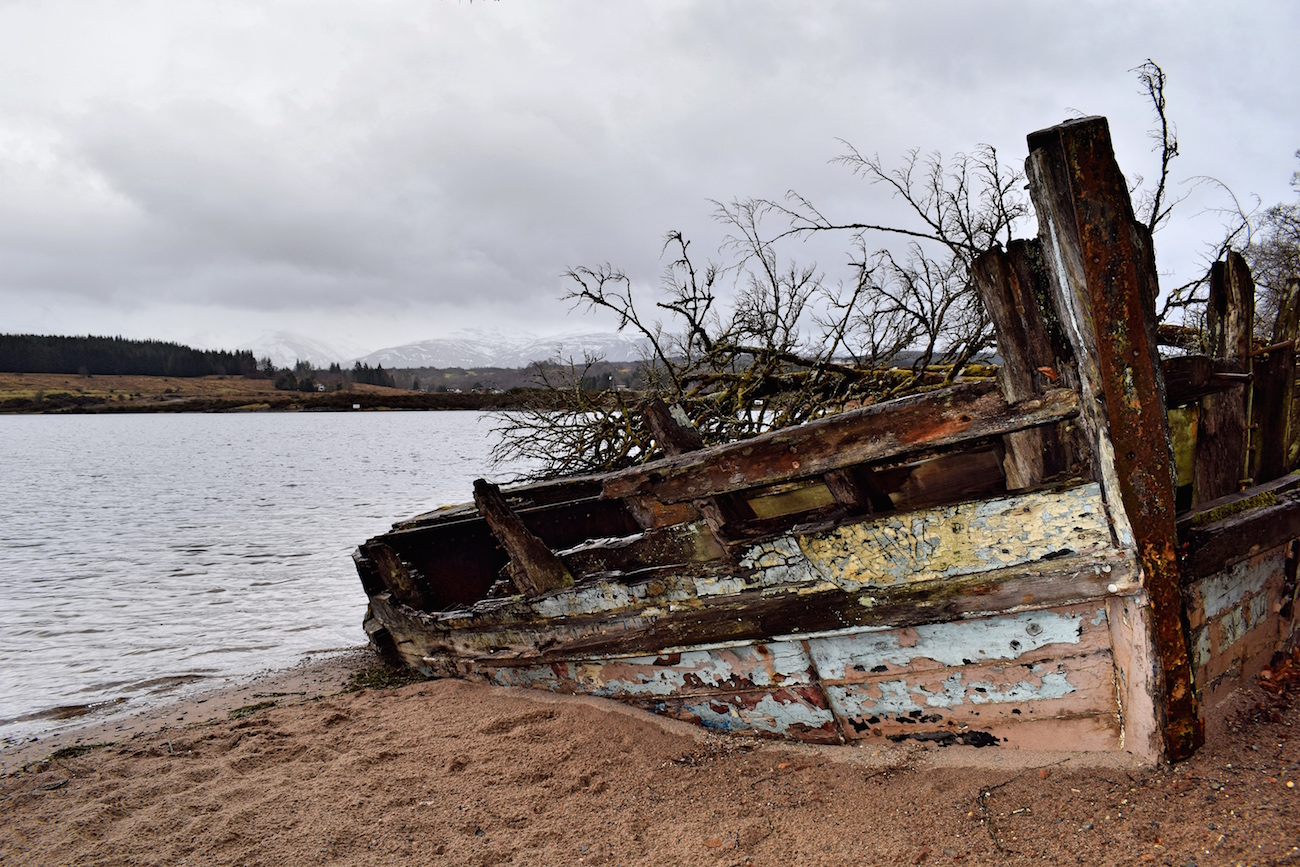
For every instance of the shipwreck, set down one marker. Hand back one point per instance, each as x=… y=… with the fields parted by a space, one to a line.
x=1091 y=552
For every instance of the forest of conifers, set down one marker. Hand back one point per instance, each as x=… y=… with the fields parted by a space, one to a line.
x=106 y=356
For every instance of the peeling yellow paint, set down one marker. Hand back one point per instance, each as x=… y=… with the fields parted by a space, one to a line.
x=961 y=539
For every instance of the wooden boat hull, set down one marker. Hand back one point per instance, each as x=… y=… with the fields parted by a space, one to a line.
x=988 y=563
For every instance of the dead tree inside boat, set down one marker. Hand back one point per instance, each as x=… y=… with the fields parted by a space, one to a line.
x=1093 y=551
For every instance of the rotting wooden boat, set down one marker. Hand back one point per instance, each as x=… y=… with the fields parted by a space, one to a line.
x=1027 y=563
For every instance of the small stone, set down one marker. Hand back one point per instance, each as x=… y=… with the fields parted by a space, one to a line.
x=1087 y=826
x=713 y=842
x=1043 y=773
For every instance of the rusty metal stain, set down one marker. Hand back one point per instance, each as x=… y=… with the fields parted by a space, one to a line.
x=949 y=541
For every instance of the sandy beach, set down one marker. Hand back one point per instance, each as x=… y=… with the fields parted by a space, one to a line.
x=293 y=769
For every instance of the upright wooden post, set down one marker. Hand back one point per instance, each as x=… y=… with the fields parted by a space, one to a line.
x=1221 y=436
x=1288 y=318
x=1275 y=393
x=1026 y=351
x=1103 y=281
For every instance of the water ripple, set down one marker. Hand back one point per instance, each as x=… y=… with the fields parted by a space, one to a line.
x=132 y=547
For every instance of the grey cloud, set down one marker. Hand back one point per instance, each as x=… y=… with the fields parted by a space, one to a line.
x=431 y=165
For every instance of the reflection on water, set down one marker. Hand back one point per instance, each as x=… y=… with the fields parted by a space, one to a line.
x=141 y=556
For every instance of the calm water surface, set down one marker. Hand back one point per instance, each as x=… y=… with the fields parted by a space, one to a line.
x=145 y=556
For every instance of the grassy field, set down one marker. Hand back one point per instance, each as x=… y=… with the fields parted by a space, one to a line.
x=61 y=393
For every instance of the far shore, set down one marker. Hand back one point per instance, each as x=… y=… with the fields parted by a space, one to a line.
x=49 y=393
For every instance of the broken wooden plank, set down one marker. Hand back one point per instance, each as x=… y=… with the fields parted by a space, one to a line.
x=1221 y=439
x=532 y=495
x=857 y=490
x=963 y=412
x=965 y=475
x=1260 y=518
x=671 y=428
x=662 y=547
x=658 y=622
x=1287 y=327
x=1103 y=282
x=1191 y=377
x=380 y=563
x=534 y=568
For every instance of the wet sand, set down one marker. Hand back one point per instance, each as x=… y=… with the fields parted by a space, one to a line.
x=291 y=769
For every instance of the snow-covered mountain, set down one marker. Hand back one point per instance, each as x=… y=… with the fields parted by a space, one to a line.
x=481 y=348
x=286 y=348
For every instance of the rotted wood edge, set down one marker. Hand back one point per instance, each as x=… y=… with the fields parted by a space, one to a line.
x=1239 y=525
x=767 y=614
x=962 y=412
x=1221 y=438
x=1028 y=359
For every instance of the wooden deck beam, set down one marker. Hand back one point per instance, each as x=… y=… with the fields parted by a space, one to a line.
x=964 y=412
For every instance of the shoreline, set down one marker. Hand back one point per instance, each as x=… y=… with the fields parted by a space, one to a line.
x=316 y=675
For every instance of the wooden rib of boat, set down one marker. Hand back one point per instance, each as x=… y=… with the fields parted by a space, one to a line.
x=1089 y=553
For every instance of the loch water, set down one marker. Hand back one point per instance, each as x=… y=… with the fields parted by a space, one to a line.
x=145 y=557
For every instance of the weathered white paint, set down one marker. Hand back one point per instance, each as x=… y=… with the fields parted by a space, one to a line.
x=902 y=697
x=1224 y=590
x=1242 y=619
x=700 y=669
x=586 y=599
x=963 y=642
x=779 y=561
x=767 y=715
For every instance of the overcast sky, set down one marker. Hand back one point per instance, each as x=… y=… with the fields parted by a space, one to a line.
x=382 y=172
